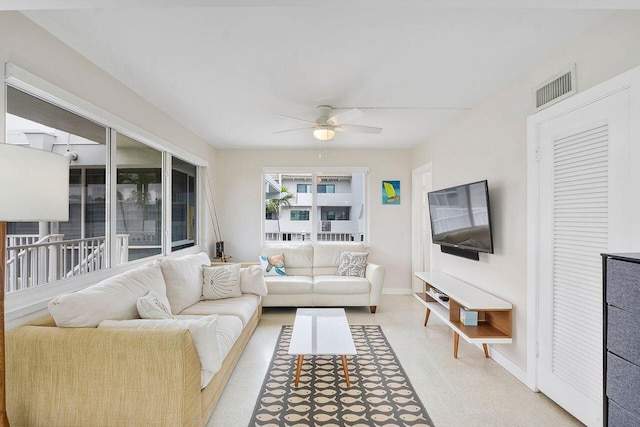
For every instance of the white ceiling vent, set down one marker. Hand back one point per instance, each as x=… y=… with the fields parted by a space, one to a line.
x=555 y=89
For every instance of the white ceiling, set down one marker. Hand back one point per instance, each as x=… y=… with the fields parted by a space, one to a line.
x=224 y=72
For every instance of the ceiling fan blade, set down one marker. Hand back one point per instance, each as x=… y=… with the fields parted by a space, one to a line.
x=293 y=130
x=295 y=118
x=345 y=116
x=358 y=129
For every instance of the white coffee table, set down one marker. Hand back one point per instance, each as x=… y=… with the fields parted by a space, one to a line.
x=321 y=331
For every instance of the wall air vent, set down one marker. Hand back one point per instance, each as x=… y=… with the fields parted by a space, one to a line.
x=555 y=89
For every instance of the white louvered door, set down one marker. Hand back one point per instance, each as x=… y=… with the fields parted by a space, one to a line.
x=583 y=173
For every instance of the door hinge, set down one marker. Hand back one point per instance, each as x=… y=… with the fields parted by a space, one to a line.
x=537 y=154
x=537 y=349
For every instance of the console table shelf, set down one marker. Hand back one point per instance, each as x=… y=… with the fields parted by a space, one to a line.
x=494 y=314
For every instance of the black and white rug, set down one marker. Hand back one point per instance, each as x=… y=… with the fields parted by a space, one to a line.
x=380 y=392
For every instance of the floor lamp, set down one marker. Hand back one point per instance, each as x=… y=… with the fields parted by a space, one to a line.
x=34 y=186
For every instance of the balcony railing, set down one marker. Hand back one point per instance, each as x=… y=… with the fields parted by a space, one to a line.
x=21 y=239
x=320 y=237
x=52 y=258
x=287 y=237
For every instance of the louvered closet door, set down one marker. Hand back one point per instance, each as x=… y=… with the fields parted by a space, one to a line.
x=581 y=160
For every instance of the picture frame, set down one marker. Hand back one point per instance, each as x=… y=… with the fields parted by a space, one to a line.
x=390 y=192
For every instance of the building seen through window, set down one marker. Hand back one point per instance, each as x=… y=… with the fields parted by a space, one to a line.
x=334 y=213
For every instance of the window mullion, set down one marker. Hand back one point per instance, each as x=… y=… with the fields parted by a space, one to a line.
x=314 y=207
x=166 y=211
x=111 y=199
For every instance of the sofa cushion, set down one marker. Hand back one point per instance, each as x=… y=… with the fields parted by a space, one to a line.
x=183 y=277
x=289 y=284
x=204 y=333
x=326 y=256
x=298 y=257
x=221 y=282
x=154 y=306
x=114 y=298
x=341 y=285
x=242 y=307
x=252 y=281
x=229 y=329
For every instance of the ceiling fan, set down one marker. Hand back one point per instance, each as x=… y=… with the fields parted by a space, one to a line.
x=331 y=120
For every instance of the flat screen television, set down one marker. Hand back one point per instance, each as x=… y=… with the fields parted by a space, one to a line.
x=460 y=217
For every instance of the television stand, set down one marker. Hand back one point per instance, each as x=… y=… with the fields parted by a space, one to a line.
x=494 y=314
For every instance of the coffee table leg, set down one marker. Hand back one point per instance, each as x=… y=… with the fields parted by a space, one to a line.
x=299 y=368
x=346 y=370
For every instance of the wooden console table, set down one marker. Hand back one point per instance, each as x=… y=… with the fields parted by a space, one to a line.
x=494 y=314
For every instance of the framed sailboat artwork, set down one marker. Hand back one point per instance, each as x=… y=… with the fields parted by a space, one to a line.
x=390 y=192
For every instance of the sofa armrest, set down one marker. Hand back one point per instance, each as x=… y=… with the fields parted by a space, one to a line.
x=87 y=376
x=375 y=274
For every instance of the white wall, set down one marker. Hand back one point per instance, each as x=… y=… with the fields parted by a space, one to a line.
x=31 y=48
x=238 y=202
x=489 y=142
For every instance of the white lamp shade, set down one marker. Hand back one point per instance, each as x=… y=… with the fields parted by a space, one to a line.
x=34 y=185
x=324 y=133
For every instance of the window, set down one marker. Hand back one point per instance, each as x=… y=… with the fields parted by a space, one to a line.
x=303 y=188
x=299 y=215
x=334 y=213
x=326 y=188
x=183 y=204
x=40 y=253
x=139 y=198
x=326 y=206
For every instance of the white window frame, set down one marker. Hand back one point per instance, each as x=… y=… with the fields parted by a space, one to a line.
x=314 y=172
x=30 y=303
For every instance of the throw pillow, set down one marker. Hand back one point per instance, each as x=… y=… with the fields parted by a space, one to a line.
x=183 y=278
x=153 y=306
x=204 y=333
x=352 y=263
x=221 y=282
x=252 y=281
x=273 y=265
x=113 y=298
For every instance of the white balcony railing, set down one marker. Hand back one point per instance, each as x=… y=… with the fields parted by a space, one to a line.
x=21 y=239
x=52 y=258
x=287 y=236
x=320 y=237
x=323 y=199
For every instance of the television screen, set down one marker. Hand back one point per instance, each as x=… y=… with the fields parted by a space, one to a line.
x=460 y=217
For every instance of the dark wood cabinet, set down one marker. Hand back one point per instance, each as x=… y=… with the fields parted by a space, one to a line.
x=621 y=336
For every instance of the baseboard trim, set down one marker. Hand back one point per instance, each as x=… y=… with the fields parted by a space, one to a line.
x=508 y=365
x=397 y=291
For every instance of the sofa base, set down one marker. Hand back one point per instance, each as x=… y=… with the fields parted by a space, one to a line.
x=52 y=378
x=212 y=392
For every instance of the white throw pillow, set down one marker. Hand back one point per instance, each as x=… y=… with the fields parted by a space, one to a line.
x=352 y=263
x=154 y=306
x=183 y=277
x=273 y=265
x=113 y=298
x=221 y=282
x=204 y=333
x=252 y=281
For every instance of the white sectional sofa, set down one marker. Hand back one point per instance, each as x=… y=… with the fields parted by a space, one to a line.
x=312 y=278
x=94 y=362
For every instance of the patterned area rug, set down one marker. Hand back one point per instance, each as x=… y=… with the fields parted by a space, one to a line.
x=380 y=394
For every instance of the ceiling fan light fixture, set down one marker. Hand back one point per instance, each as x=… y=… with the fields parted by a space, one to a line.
x=324 y=133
